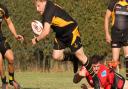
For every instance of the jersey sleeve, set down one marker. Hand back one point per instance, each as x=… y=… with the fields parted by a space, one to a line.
x=111 y=5
x=89 y=80
x=48 y=13
x=111 y=76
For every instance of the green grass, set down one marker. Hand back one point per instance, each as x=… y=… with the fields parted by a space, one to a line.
x=51 y=80
x=58 y=80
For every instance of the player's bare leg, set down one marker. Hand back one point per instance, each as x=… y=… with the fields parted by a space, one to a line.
x=115 y=58
x=126 y=60
x=9 y=56
x=2 y=73
x=58 y=55
x=66 y=56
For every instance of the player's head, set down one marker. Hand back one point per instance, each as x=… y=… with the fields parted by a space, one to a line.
x=40 y=5
x=96 y=59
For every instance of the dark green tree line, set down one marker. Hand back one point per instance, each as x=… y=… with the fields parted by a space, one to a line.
x=88 y=13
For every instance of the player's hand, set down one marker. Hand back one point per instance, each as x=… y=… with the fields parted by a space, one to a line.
x=108 y=38
x=83 y=71
x=19 y=37
x=34 y=41
x=113 y=64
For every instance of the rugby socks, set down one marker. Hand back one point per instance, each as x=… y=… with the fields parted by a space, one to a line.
x=3 y=80
x=88 y=66
x=68 y=56
x=75 y=62
x=96 y=82
x=11 y=78
x=126 y=59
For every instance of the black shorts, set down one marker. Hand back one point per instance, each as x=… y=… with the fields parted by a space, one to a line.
x=4 y=46
x=62 y=44
x=119 y=38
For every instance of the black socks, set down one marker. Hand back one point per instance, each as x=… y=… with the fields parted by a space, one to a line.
x=11 y=78
x=88 y=66
x=4 y=80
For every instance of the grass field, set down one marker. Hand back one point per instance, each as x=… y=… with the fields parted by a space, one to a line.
x=50 y=80
x=40 y=80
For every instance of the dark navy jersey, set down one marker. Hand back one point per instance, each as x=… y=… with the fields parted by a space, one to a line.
x=61 y=22
x=119 y=11
x=3 y=15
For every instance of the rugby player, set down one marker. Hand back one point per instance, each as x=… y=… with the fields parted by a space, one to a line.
x=5 y=49
x=108 y=78
x=66 y=33
x=118 y=12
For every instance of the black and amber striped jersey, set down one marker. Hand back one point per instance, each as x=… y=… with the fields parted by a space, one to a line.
x=119 y=11
x=3 y=13
x=61 y=22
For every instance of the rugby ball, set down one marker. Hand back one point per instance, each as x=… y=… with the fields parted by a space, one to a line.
x=37 y=27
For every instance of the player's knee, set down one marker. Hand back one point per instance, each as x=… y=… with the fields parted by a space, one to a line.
x=11 y=61
x=57 y=57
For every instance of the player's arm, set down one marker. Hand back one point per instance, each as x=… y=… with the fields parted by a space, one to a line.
x=110 y=78
x=90 y=82
x=12 y=29
x=44 y=33
x=107 y=20
x=11 y=26
x=47 y=21
x=106 y=26
x=89 y=79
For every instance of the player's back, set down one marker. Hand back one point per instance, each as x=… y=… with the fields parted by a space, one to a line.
x=61 y=22
x=103 y=75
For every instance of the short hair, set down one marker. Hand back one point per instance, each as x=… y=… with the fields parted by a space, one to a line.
x=34 y=1
x=96 y=58
x=38 y=0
